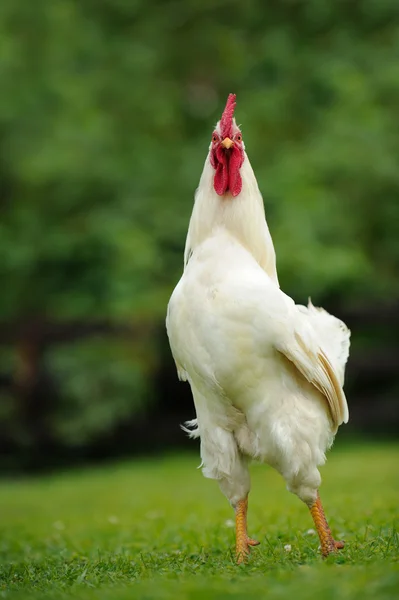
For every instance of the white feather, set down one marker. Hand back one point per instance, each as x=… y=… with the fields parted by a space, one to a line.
x=244 y=216
x=266 y=374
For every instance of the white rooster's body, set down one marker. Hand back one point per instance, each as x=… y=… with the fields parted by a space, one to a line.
x=266 y=374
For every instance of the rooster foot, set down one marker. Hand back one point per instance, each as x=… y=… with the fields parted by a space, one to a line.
x=327 y=543
x=243 y=549
x=243 y=541
x=332 y=547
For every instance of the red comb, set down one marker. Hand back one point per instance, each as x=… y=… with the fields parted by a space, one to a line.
x=227 y=116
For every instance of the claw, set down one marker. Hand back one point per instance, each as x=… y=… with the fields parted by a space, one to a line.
x=331 y=547
x=252 y=542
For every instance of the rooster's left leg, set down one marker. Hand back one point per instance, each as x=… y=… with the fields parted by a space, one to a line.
x=243 y=541
x=327 y=542
x=305 y=485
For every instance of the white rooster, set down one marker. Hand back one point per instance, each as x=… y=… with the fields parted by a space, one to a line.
x=266 y=374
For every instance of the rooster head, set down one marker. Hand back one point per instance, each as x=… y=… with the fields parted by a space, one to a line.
x=227 y=152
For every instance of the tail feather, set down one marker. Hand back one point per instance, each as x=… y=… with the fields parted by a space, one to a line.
x=334 y=336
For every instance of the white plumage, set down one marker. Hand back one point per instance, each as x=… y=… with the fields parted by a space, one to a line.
x=266 y=374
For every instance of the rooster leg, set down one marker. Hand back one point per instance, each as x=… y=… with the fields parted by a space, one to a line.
x=243 y=542
x=327 y=542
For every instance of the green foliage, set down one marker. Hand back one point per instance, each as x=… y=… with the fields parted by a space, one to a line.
x=105 y=115
x=103 y=385
x=106 y=110
x=157 y=529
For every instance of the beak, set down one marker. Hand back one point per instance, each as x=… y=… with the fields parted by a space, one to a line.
x=227 y=143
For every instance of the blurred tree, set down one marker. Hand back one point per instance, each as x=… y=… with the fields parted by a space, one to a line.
x=105 y=116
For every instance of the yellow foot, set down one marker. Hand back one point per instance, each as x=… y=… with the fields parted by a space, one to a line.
x=252 y=542
x=243 y=542
x=242 y=549
x=333 y=546
x=327 y=543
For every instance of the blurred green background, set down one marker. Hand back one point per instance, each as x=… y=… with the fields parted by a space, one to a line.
x=106 y=111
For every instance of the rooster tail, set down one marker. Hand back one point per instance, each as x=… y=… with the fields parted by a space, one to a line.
x=333 y=334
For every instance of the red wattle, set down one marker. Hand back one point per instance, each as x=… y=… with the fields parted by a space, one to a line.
x=221 y=180
x=227 y=166
x=235 y=163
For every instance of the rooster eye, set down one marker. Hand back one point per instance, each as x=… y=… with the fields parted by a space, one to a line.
x=239 y=137
x=214 y=138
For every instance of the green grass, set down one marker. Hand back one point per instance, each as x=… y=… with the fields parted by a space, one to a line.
x=158 y=529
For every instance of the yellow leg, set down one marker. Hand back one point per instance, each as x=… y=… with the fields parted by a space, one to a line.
x=327 y=542
x=243 y=542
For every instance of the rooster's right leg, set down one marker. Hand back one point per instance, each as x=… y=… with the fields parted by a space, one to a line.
x=236 y=489
x=243 y=541
x=223 y=460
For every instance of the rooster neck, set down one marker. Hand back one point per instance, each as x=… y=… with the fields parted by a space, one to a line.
x=242 y=216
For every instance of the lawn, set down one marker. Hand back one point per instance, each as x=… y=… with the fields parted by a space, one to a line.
x=156 y=529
